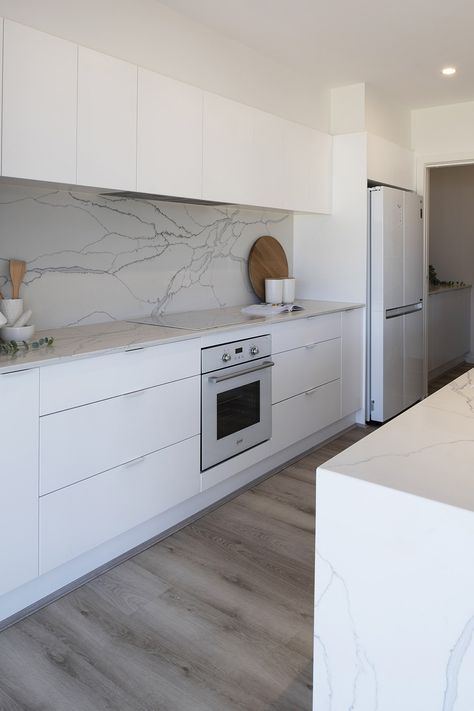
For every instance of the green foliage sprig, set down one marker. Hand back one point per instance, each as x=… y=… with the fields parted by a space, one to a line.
x=434 y=281
x=13 y=347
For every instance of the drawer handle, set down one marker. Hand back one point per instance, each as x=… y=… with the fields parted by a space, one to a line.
x=134 y=462
x=312 y=391
x=136 y=393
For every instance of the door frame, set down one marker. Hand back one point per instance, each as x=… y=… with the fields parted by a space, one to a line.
x=424 y=164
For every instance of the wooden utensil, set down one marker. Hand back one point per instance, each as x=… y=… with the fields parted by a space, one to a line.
x=267 y=260
x=17 y=272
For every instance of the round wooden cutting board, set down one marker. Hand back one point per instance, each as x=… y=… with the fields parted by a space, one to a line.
x=267 y=260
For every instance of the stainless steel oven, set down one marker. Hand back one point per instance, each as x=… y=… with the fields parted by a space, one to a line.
x=236 y=402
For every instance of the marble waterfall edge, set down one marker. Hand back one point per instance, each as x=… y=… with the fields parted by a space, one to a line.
x=93 y=258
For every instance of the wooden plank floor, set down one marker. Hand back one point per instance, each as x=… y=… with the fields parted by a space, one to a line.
x=217 y=617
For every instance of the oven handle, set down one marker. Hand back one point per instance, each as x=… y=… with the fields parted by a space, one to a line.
x=220 y=378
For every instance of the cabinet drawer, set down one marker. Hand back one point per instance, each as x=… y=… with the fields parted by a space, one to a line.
x=80 y=517
x=305 y=331
x=303 y=415
x=76 y=444
x=84 y=381
x=302 y=369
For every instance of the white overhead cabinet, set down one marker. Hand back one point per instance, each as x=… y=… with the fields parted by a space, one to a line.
x=307 y=158
x=169 y=136
x=227 y=150
x=1 y=82
x=255 y=158
x=75 y=116
x=19 y=395
x=39 y=105
x=106 y=121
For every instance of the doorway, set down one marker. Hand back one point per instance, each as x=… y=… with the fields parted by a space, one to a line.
x=449 y=225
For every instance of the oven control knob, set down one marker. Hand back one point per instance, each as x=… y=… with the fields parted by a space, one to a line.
x=226 y=357
x=254 y=350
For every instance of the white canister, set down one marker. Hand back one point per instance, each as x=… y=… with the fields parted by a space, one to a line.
x=273 y=291
x=289 y=286
x=11 y=309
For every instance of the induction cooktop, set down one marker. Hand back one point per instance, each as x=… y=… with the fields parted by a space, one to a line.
x=199 y=320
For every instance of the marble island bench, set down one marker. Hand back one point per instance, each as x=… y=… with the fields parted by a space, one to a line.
x=394 y=594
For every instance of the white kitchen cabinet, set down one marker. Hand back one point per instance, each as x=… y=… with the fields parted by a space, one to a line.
x=80 y=382
x=228 y=158
x=80 y=517
x=106 y=121
x=303 y=415
x=169 y=136
x=79 y=443
x=1 y=82
x=352 y=360
x=307 y=157
x=449 y=326
x=19 y=398
x=39 y=105
x=302 y=369
x=305 y=332
x=255 y=158
x=268 y=185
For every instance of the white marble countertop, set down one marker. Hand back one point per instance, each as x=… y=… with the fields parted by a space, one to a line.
x=445 y=289
x=427 y=451
x=99 y=339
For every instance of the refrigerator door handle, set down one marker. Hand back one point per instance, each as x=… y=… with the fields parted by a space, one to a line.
x=403 y=310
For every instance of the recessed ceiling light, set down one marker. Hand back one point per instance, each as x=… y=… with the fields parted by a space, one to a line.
x=448 y=71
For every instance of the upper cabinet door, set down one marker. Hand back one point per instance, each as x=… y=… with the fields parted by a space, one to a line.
x=228 y=151
x=106 y=121
x=39 y=105
x=169 y=136
x=1 y=75
x=308 y=160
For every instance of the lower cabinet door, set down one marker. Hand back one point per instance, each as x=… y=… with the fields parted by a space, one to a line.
x=82 y=516
x=19 y=396
x=304 y=415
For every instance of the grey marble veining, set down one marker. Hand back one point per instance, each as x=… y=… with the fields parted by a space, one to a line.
x=111 y=337
x=92 y=259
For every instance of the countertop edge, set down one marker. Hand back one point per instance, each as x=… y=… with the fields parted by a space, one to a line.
x=44 y=357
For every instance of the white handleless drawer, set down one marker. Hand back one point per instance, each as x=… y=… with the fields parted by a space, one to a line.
x=81 y=517
x=302 y=369
x=77 y=383
x=303 y=415
x=305 y=331
x=76 y=444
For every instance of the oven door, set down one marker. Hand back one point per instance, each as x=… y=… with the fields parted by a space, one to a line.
x=236 y=411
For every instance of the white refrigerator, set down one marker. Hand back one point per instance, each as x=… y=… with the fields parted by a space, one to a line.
x=395 y=302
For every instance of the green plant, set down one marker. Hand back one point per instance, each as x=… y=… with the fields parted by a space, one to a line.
x=12 y=347
x=434 y=281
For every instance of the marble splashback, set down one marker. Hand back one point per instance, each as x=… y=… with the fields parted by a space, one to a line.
x=92 y=258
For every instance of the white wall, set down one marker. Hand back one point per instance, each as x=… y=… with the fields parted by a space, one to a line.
x=390 y=163
x=451 y=239
x=442 y=134
x=330 y=251
x=387 y=119
x=390 y=160
x=154 y=36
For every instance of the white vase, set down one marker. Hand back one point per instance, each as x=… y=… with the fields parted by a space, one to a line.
x=11 y=309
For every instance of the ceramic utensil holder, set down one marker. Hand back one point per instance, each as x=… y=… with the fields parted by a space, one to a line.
x=11 y=309
x=273 y=291
x=289 y=287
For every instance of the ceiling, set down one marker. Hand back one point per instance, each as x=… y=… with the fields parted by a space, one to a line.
x=398 y=47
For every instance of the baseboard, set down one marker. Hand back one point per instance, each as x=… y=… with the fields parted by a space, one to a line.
x=436 y=372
